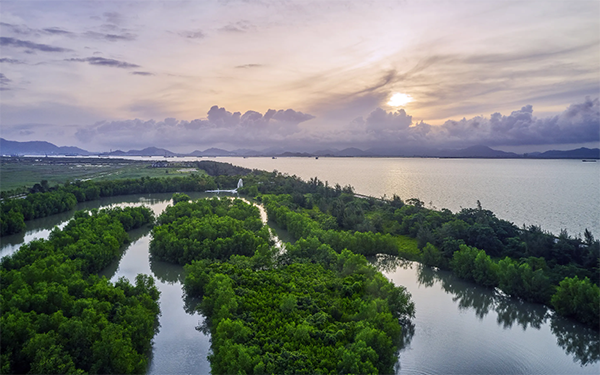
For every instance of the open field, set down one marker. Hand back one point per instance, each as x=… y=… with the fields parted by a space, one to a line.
x=16 y=173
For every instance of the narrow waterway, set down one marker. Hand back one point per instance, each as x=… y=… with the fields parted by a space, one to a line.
x=459 y=327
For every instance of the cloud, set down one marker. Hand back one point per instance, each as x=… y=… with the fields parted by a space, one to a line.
x=57 y=31
x=105 y=62
x=197 y=34
x=113 y=18
x=12 y=42
x=247 y=66
x=18 y=29
x=238 y=27
x=26 y=30
x=220 y=127
x=11 y=61
x=142 y=73
x=111 y=37
x=579 y=123
x=4 y=82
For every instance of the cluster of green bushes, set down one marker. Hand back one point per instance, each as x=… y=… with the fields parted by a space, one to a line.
x=208 y=229
x=58 y=316
x=308 y=310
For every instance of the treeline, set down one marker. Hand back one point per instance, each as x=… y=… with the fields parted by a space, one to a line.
x=45 y=201
x=58 y=316
x=523 y=262
x=308 y=310
x=301 y=225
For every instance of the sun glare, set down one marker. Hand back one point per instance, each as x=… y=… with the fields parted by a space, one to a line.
x=399 y=99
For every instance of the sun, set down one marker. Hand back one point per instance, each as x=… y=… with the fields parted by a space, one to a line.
x=399 y=99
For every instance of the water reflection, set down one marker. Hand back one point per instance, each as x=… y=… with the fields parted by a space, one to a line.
x=168 y=273
x=388 y=263
x=578 y=341
x=134 y=235
x=583 y=345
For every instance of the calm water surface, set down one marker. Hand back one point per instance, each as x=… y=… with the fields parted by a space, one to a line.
x=460 y=328
x=555 y=194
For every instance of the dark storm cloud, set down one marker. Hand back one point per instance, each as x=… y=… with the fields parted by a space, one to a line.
x=105 y=62
x=142 y=73
x=251 y=128
x=12 y=42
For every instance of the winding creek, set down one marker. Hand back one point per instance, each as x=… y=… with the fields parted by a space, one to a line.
x=459 y=327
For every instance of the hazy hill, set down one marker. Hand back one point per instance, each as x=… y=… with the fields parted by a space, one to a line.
x=148 y=151
x=478 y=151
x=212 y=152
x=580 y=153
x=37 y=148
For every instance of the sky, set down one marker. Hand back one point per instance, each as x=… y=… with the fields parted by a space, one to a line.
x=301 y=75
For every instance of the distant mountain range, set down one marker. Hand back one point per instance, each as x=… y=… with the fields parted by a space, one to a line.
x=580 y=153
x=37 y=148
x=46 y=148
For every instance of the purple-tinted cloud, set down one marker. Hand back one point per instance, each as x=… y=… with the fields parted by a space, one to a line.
x=238 y=27
x=192 y=34
x=111 y=37
x=57 y=31
x=12 y=42
x=105 y=62
x=3 y=80
x=142 y=73
x=221 y=126
x=11 y=61
x=113 y=18
x=579 y=123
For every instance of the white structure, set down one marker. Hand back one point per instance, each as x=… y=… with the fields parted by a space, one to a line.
x=233 y=191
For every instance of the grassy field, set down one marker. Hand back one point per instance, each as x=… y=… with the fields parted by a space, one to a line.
x=16 y=173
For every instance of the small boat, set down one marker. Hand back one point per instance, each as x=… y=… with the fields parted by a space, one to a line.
x=273 y=157
x=316 y=157
x=589 y=160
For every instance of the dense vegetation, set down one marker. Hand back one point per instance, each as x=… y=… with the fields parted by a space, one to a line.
x=307 y=310
x=208 y=229
x=58 y=316
x=527 y=263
